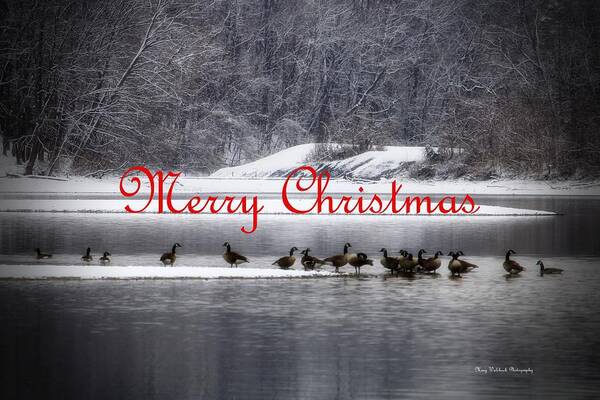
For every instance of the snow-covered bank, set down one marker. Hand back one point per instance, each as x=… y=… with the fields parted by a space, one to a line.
x=109 y=186
x=137 y=272
x=368 y=165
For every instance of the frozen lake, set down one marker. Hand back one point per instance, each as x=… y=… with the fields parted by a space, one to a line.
x=377 y=337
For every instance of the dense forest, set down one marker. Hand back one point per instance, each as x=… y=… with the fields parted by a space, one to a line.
x=498 y=86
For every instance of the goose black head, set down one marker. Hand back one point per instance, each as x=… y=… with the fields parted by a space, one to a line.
x=37 y=250
x=451 y=254
x=540 y=263
x=460 y=253
x=438 y=253
x=382 y=250
x=177 y=245
x=511 y=251
x=305 y=251
x=347 y=245
x=88 y=250
x=294 y=248
x=225 y=244
x=106 y=254
x=402 y=252
x=421 y=251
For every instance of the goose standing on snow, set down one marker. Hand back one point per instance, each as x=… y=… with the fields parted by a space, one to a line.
x=466 y=266
x=286 y=261
x=401 y=258
x=511 y=266
x=40 y=255
x=308 y=261
x=105 y=259
x=169 y=258
x=454 y=265
x=431 y=264
x=544 y=270
x=390 y=263
x=359 y=260
x=231 y=257
x=338 y=260
x=87 y=257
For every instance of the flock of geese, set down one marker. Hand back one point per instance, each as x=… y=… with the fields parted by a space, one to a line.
x=405 y=263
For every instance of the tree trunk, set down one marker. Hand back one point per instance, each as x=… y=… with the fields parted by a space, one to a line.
x=32 y=158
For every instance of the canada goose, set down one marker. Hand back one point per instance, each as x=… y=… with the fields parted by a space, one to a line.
x=408 y=264
x=432 y=263
x=169 y=258
x=454 y=265
x=359 y=261
x=466 y=266
x=338 y=260
x=420 y=259
x=231 y=257
x=40 y=255
x=390 y=263
x=511 y=266
x=544 y=270
x=308 y=261
x=105 y=259
x=403 y=254
x=287 y=261
x=87 y=257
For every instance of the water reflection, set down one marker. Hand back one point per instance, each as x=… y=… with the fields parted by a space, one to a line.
x=383 y=337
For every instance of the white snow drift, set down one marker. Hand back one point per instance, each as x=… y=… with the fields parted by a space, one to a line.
x=368 y=165
x=138 y=272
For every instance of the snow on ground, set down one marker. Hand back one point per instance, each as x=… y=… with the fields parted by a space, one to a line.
x=374 y=164
x=368 y=165
x=8 y=165
x=109 y=186
x=138 y=272
x=277 y=164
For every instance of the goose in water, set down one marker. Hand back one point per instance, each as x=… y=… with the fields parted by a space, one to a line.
x=40 y=255
x=544 y=270
x=467 y=266
x=231 y=257
x=286 y=261
x=431 y=264
x=338 y=260
x=420 y=259
x=454 y=265
x=87 y=257
x=308 y=261
x=169 y=258
x=511 y=266
x=105 y=259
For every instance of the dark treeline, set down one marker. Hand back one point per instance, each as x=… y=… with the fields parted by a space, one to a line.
x=90 y=86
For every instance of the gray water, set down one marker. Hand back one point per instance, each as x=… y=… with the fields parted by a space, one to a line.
x=376 y=337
